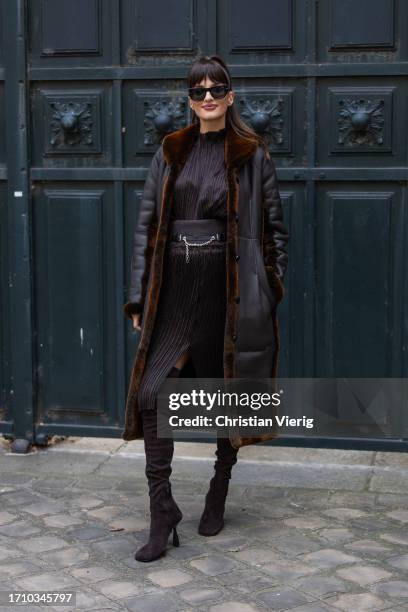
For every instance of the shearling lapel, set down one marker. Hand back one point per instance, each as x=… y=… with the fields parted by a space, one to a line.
x=177 y=146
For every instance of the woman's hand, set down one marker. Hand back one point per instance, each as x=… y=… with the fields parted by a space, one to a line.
x=136 y=321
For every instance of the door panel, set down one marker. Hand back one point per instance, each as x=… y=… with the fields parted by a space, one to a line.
x=74 y=277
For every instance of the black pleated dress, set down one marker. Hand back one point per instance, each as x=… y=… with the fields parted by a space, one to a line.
x=192 y=304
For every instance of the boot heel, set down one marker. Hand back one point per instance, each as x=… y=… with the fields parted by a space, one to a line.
x=176 y=541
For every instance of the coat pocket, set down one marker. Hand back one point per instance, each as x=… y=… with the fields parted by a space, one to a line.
x=262 y=275
x=255 y=328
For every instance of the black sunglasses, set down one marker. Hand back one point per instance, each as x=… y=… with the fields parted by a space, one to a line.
x=217 y=92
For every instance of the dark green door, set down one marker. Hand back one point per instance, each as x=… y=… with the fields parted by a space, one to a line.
x=88 y=88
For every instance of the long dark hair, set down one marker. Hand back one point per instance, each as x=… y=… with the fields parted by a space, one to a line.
x=216 y=69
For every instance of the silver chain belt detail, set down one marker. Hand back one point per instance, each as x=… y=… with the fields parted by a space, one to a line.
x=189 y=244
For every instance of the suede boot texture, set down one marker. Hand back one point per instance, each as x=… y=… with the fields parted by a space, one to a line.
x=164 y=517
x=164 y=512
x=212 y=519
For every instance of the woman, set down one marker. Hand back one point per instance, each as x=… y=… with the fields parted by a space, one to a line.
x=190 y=248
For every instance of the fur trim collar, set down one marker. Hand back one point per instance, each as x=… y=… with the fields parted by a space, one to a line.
x=177 y=145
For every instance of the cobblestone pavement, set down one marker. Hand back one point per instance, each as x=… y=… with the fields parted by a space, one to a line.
x=306 y=529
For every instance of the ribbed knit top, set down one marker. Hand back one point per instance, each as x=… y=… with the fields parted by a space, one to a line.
x=200 y=190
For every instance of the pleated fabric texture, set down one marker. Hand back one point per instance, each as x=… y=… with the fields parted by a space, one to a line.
x=192 y=305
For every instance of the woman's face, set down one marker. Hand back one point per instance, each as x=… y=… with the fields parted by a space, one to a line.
x=216 y=108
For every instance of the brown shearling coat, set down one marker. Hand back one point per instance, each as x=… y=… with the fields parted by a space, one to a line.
x=256 y=262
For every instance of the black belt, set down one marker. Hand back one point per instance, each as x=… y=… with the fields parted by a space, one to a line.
x=194 y=229
x=191 y=230
x=179 y=237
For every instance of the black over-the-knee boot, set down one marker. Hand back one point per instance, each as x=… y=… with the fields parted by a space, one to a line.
x=212 y=519
x=164 y=512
